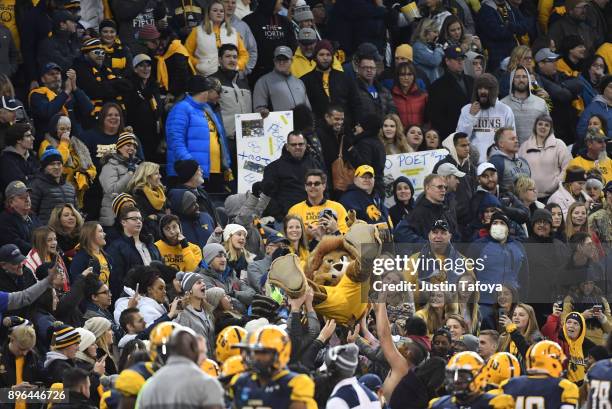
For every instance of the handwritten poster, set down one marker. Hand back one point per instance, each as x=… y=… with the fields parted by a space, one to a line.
x=415 y=166
x=259 y=142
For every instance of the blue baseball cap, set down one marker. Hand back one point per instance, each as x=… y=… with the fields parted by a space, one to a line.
x=371 y=381
x=454 y=53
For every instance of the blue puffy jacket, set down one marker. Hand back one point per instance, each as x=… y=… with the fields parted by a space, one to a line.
x=188 y=136
x=503 y=264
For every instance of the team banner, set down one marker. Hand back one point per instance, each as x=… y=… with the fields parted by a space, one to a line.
x=415 y=166
x=258 y=142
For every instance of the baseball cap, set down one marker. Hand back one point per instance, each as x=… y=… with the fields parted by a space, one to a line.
x=371 y=381
x=307 y=36
x=447 y=169
x=363 y=169
x=454 y=53
x=546 y=55
x=470 y=342
x=440 y=224
x=10 y=253
x=140 y=58
x=276 y=237
x=50 y=66
x=283 y=51
x=10 y=104
x=15 y=188
x=483 y=167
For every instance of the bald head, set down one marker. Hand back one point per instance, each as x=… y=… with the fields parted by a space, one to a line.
x=184 y=343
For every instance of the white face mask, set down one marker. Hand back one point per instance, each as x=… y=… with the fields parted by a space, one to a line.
x=499 y=232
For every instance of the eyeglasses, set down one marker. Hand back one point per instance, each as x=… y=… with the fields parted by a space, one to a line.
x=316 y=184
x=297 y=145
x=134 y=218
x=440 y=187
x=104 y=292
x=99 y=53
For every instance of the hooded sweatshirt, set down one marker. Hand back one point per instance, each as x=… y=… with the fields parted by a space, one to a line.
x=482 y=126
x=525 y=110
x=508 y=168
x=575 y=350
x=468 y=67
x=399 y=210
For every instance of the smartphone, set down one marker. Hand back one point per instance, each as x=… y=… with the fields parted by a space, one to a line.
x=502 y=311
x=597 y=308
x=137 y=288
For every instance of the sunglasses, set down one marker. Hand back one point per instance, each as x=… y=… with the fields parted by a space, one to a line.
x=99 y=53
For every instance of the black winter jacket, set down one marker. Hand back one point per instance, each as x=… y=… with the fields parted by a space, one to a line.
x=32 y=371
x=342 y=91
x=61 y=48
x=47 y=193
x=17 y=230
x=131 y=15
x=367 y=149
x=270 y=31
x=14 y=166
x=415 y=228
x=446 y=98
x=125 y=256
x=381 y=106
x=283 y=181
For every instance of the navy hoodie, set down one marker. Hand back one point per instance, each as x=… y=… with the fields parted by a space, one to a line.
x=369 y=208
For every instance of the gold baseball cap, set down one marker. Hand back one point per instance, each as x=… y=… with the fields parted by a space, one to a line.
x=363 y=169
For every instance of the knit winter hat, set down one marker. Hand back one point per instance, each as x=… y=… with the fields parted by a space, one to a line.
x=404 y=50
x=199 y=83
x=91 y=44
x=87 y=339
x=49 y=156
x=575 y=316
x=231 y=229
x=541 y=214
x=500 y=216
x=594 y=183
x=214 y=296
x=121 y=200
x=185 y=169
x=107 y=23
x=343 y=359
x=148 y=32
x=187 y=202
x=188 y=279
x=264 y=307
x=323 y=45
x=97 y=325
x=64 y=336
x=212 y=250
x=125 y=138
x=574 y=175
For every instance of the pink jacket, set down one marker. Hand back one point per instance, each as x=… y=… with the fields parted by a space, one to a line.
x=547 y=164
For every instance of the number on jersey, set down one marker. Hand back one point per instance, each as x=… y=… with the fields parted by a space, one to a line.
x=530 y=402
x=599 y=392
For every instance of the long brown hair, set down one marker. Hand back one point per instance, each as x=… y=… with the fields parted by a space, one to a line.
x=56 y=215
x=570 y=227
x=531 y=330
x=399 y=140
x=39 y=241
x=104 y=112
x=88 y=233
x=303 y=242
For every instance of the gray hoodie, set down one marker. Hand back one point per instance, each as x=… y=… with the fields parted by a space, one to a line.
x=525 y=111
x=470 y=56
x=508 y=169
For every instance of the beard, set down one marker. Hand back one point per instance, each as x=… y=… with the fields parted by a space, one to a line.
x=323 y=66
x=485 y=103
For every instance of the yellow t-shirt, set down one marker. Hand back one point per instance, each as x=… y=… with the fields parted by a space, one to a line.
x=326 y=82
x=215 y=146
x=19 y=362
x=7 y=17
x=604 y=166
x=183 y=259
x=310 y=214
x=104 y=270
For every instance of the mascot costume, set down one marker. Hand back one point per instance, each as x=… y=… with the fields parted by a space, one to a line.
x=339 y=271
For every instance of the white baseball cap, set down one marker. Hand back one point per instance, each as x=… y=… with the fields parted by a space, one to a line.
x=447 y=169
x=484 y=166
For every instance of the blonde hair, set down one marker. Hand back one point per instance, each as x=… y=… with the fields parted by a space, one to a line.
x=570 y=227
x=234 y=254
x=208 y=25
x=523 y=184
x=426 y=25
x=86 y=238
x=399 y=140
x=433 y=322
x=530 y=331
x=24 y=336
x=140 y=178
x=518 y=53
x=56 y=215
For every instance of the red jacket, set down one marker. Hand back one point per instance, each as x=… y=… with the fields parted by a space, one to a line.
x=411 y=107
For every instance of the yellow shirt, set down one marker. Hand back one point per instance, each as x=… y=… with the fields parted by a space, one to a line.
x=7 y=14
x=310 y=214
x=302 y=65
x=345 y=302
x=19 y=362
x=182 y=259
x=104 y=270
x=215 y=147
x=604 y=166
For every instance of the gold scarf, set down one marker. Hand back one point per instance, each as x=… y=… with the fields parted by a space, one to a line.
x=162 y=70
x=156 y=197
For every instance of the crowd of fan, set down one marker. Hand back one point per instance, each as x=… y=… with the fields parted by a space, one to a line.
x=132 y=273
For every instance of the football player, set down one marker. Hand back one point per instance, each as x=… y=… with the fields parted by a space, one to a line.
x=598 y=380
x=268 y=383
x=227 y=340
x=130 y=381
x=500 y=367
x=543 y=387
x=465 y=382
